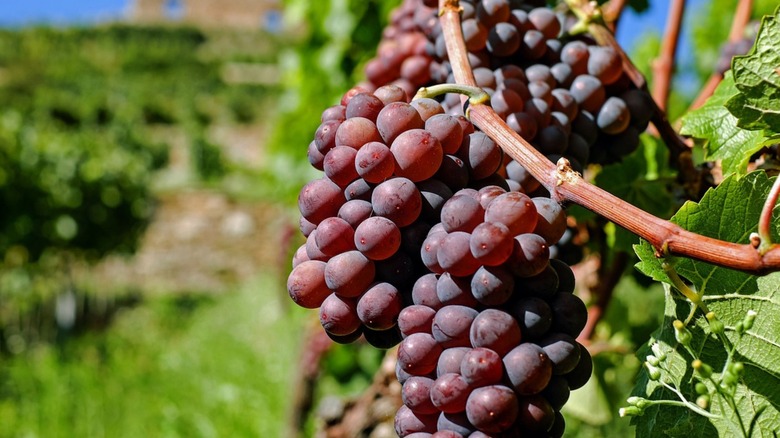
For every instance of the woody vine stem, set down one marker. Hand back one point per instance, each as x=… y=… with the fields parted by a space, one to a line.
x=564 y=184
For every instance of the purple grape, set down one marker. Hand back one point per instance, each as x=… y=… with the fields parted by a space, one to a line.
x=349 y=274
x=306 y=284
x=492 y=286
x=338 y=316
x=481 y=367
x=451 y=326
x=418 y=354
x=449 y=393
x=528 y=368
x=416 y=395
x=398 y=200
x=415 y=319
x=492 y=409
x=379 y=306
x=495 y=329
x=377 y=237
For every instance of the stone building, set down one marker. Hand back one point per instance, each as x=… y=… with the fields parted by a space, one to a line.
x=253 y=14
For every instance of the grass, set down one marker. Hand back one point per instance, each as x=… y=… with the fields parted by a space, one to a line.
x=194 y=366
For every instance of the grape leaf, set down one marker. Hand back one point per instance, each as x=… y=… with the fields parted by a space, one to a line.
x=757 y=77
x=729 y=212
x=718 y=127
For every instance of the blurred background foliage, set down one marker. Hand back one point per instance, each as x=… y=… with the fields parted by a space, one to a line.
x=148 y=177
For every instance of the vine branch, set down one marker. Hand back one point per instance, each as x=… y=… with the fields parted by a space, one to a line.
x=565 y=184
x=738 y=24
x=663 y=66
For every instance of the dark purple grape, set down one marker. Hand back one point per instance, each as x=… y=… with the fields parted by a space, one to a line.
x=540 y=73
x=447 y=130
x=390 y=93
x=312 y=251
x=418 y=354
x=306 y=284
x=562 y=73
x=523 y=124
x=488 y=193
x=430 y=250
x=585 y=125
x=453 y=172
x=475 y=34
x=450 y=359
x=544 y=20
x=492 y=409
x=415 y=319
x=300 y=256
x=491 y=243
x=455 y=291
x=557 y=392
x=325 y=137
x=398 y=200
x=565 y=276
x=613 y=117
x=552 y=140
x=434 y=195
x=605 y=64
x=335 y=112
x=589 y=92
x=334 y=236
x=563 y=351
x=356 y=132
x=454 y=254
x=416 y=69
x=575 y=54
x=540 y=90
x=551 y=221
x=364 y=105
x=569 y=314
x=320 y=199
x=355 y=211
x=484 y=78
x=461 y=213
x=349 y=274
x=338 y=316
x=481 y=155
x=503 y=39
x=306 y=227
x=505 y=101
x=533 y=45
x=424 y=292
x=457 y=423
x=580 y=375
x=407 y=422
x=451 y=326
x=579 y=149
x=640 y=105
x=558 y=427
x=427 y=107
x=449 y=393
x=492 y=286
x=515 y=210
x=535 y=414
x=533 y=315
x=528 y=368
x=346 y=339
x=377 y=237
x=539 y=110
x=416 y=395
x=530 y=255
x=315 y=157
x=374 y=162
x=496 y=330
x=395 y=118
x=481 y=367
x=379 y=306
x=491 y=12
x=359 y=189
x=398 y=270
x=418 y=154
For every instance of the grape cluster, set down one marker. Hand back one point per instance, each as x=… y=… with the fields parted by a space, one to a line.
x=413 y=237
x=564 y=94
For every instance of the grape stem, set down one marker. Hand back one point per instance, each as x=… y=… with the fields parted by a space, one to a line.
x=476 y=95
x=612 y=11
x=663 y=66
x=565 y=184
x=738 y=24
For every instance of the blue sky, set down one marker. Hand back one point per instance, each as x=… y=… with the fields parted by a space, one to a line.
x=21 y=12
x=15 y=13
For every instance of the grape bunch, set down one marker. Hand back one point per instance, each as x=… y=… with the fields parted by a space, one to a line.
x=564 y=94
x=413 y=237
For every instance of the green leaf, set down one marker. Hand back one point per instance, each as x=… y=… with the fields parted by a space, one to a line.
x=729 y=212
x=718 y=127
x=757 y=77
